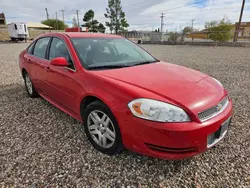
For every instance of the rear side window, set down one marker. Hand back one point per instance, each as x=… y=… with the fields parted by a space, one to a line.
x=41 y=47
x=30 y=49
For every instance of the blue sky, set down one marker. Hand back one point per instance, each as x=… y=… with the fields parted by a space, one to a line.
x=141 y=14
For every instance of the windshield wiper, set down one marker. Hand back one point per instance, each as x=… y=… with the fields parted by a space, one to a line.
x=120 y=66
x=144 y=63
x=108 y=67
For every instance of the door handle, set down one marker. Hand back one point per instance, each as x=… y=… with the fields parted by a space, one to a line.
x=47 y=69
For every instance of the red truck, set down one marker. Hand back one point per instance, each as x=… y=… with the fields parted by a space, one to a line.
x=77 y=29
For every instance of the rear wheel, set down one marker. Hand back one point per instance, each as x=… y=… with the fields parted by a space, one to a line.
x=29 y=86
x=102 y=128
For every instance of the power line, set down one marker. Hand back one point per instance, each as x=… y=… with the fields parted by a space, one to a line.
x=142 y=2
x=166 y=10
x=189 y=12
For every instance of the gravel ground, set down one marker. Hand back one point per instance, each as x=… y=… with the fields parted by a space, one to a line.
x=41 y=146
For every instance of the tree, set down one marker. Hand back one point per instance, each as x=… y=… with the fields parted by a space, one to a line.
x=219 y=30
x=74 y=22
x=101 y=28
x=116 y=16
x=55 y=24
x=187 y=30
x=157 y=30
x=173 y=36
x=90 y=22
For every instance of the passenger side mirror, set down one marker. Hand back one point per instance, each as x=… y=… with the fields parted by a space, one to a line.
x=59 y=61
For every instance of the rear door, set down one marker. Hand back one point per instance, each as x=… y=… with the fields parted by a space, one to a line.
x=30 y=65
x=38 y=63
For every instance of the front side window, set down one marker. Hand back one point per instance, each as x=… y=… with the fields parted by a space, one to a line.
x=41 y=47
x=59 y=49
x=110 y=52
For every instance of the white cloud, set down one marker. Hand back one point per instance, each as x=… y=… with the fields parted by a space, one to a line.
x=141 y=14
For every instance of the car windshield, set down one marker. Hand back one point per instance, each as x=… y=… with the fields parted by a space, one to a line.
x=107 y=53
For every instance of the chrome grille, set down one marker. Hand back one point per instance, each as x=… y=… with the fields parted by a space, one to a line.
x=211 y=112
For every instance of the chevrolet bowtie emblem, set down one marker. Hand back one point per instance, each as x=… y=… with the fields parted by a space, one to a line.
x=219 y=107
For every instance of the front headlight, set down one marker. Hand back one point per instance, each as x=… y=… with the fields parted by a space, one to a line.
x=157 y=111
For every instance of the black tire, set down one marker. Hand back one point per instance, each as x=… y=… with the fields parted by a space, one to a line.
x=29 y=87
x=117 y=146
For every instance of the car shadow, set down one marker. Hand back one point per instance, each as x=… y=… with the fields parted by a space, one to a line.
x=59 y=134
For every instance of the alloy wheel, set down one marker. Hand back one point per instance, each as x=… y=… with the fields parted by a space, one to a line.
x=101 y=129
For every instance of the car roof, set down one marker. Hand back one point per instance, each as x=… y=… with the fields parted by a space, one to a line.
x=83 y=35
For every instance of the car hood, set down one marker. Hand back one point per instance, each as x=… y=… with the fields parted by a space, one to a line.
x=183 y=86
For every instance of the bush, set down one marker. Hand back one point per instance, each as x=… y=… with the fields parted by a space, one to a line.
x=219 y=30
x=55 y=24
x=173 y=37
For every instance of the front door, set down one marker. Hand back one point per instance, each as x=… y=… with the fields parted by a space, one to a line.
x=63 y=85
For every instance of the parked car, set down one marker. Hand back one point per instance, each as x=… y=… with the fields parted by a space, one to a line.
x=125 y=97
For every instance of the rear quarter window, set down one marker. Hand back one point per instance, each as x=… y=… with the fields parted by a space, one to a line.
x=31 y=47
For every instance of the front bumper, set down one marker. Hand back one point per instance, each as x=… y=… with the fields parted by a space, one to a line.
x=171 y=140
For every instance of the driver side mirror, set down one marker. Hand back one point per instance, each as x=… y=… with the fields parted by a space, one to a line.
x=59 y=61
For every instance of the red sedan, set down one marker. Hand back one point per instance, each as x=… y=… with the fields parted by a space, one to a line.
x=125 y=97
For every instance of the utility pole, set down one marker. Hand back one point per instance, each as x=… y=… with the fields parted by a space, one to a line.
x=162 y=23
x=56 y=22
x=63 y=17
x=47 y=14
x=192 y=24
x=77 y=15
x=237 y=26
x=192 y=29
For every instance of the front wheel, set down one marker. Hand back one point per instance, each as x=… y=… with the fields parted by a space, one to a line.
x=102 y=128
x=29 y=86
